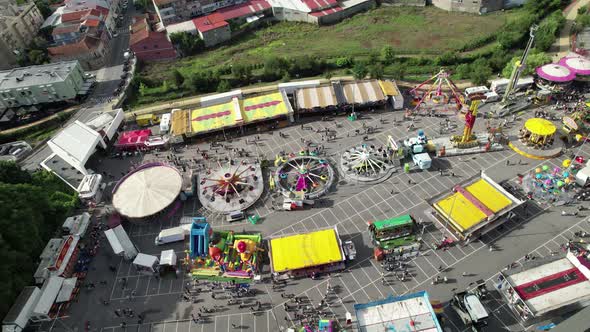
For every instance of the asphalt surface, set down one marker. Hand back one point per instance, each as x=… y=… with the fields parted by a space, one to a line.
x=348 y=206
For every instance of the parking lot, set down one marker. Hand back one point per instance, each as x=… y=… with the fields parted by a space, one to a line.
x=348 y=207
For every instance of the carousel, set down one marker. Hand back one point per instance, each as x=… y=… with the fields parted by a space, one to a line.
x=303 y=175
x=366 y=163
x=580 y=66
x=537 y=133
x=230 y=187
x=554 y=77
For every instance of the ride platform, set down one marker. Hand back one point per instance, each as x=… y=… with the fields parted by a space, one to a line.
x=539 y=154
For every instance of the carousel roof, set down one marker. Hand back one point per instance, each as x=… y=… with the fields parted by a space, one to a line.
x=555 y=73
x=540 y=127
x=578 y=65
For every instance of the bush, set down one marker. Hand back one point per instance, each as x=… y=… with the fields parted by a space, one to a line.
x=187 y=43
x=446 y=59
x=344 y=62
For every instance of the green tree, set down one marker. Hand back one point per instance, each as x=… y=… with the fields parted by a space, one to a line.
x=399 y=71
x=534 y=60
x=224 y=86
x=480 y=72
x=275 y=67
x=445 y=59
x=142 y=89
x=165 y=86
x=178 y=78
x=387 y=54
x=359 y=71
x=344 y=62
x=463 y=71
x=34 y=206
x=43 y=8
x=187 y=43
x=376 y=71
x=242 y=72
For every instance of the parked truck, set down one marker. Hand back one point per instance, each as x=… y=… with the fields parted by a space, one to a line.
x=145 y=120
x=170 y=235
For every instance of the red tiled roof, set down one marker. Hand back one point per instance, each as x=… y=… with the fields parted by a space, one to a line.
x=326 y=12
x=209 y=22
x=245 y=9
x=138 y=36
x=317 y=4
x=140 y=24
x=73 y=16
x=91 y=22
x=61 y=29
x=83 y=46
x=103 y=11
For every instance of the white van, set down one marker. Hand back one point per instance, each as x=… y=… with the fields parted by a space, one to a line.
x=491 y=96
x=165 y=123
x=170 y=235
x=476 y=90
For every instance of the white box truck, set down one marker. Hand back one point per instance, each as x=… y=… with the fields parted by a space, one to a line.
x=170 y=235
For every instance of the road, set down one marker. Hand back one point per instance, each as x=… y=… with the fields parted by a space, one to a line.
x=562 y=45
x=107 y=80
x=348 y=207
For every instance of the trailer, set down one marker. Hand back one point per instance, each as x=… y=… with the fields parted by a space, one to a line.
x=398 y=236
x=170 y=235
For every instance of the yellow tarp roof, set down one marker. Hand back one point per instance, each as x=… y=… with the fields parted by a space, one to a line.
x=179 y=123
x=213 y=117
x=540 y=127
x=263 y=107
x=463 y=214
x=489 y=196
x=389 y=89
x=305 y=250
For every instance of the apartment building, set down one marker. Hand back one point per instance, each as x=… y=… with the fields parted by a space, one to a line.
x=33 y=85
x=19 y=24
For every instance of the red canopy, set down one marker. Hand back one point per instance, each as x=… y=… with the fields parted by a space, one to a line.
x=130 y=140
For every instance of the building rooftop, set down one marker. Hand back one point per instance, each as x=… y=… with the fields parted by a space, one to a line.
x=34 y=75
x=551 y=284
x=209 y=22
x=84 y=45
x=412 y=312
x=245 y=9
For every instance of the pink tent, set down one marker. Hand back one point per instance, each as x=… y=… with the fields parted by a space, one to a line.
x=131 y=140
x=555 y=73
x=579 y=66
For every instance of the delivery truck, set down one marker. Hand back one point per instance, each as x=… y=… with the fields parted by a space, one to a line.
x=170 y=235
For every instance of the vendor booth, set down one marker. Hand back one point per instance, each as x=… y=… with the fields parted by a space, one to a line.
x=146 y=264
x=168 y=260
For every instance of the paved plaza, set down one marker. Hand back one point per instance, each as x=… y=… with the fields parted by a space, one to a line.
x=539 y=229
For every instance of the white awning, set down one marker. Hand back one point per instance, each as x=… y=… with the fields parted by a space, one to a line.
x=67 y=288
x=114 y=241
x=168 y=257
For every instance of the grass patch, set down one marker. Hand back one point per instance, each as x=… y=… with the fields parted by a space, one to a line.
x=410 y=30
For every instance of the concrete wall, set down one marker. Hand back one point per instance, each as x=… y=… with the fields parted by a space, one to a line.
x=469 y=6
x=346 y=12
x=400 y=3
x=216 y=36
